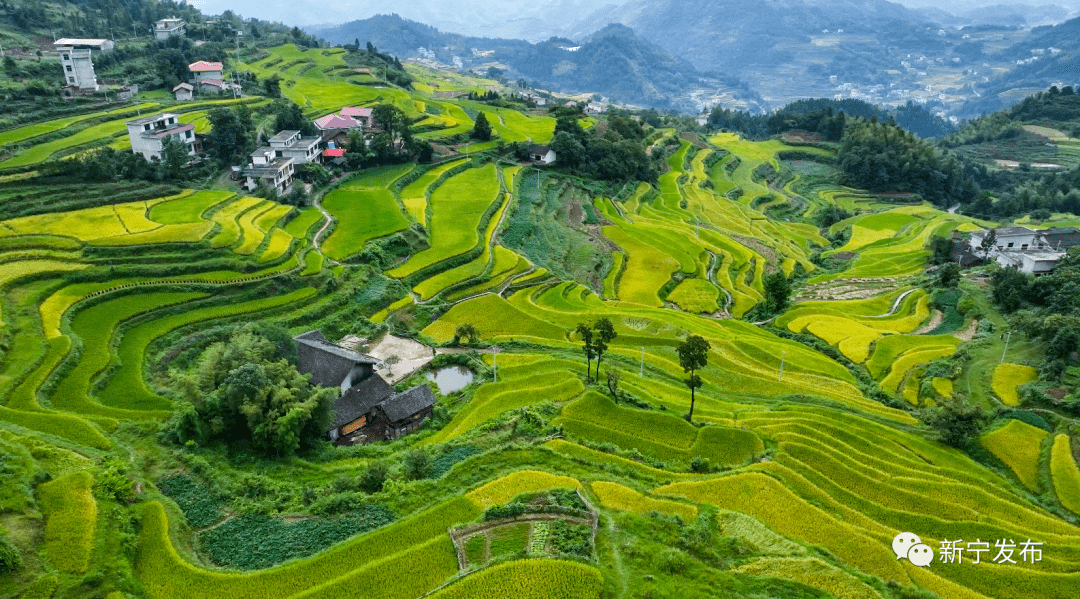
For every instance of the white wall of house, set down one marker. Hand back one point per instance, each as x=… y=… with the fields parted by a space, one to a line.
x=78 y=67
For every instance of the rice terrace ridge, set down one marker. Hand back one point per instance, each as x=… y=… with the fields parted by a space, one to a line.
x=644 y=300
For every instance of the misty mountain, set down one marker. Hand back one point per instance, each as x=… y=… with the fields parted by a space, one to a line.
x=613 y=61
x=1003 y=15
x=778 y=44
x=738 y=34
x=532 y=20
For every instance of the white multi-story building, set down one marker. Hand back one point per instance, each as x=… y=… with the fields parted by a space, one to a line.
x=148 y=134
x=166 y=28
x=290 y=144
x=76 y=60
x=273 y=170
x=1027 y=250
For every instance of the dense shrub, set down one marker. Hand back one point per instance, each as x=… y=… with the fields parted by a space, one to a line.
x=198 y=503
x=10 y=556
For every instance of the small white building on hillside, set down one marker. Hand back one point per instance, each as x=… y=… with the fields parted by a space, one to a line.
x=543 y=154
x=1027 y=250
x=166 y=28
x=290 y=144
x=183 y=92
x=149 y=133
x=273 y=170
x=76 y=58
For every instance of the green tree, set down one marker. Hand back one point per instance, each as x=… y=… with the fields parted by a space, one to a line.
x=988 y=243
x=941 y=249
x=958 y=423
x=693 y=356
x=175 y=157
x=320 y=177
x=948 y=275
x=272 y=87
x=289 y=117
x=1062 y=345
x=391 y=119
x=417 y=464
x=466 y=331
x=373 y=479
x=569 y=151
x=586 y=333
x=245 y=390
x=777 y=292
x=613 y=378
x=482 y=128
x=604 y=335
x=229 y=138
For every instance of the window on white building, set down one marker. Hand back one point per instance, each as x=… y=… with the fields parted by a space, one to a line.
x=68 y=67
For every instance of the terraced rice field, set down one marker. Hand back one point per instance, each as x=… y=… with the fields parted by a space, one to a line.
x=365 y=209
x=792 y=480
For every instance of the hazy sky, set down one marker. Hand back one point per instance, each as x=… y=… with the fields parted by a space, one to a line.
x=310 y=12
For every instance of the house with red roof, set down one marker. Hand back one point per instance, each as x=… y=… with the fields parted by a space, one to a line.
x=363 y=115
x=204 y=71
x=331 y=122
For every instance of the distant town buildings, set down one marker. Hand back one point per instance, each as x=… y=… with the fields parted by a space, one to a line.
x=148 y=135
x=76 y=60
x=166 y=28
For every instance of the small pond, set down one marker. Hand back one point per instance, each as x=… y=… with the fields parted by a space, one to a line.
x=451 y=378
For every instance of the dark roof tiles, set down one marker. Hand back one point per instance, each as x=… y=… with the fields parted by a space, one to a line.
x=403 y=405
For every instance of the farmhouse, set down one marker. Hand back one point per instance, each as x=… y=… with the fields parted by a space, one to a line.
x=75 y=58
x=148 y=134
x=1030 y=251
x=273 y=170
x=541 y=153
x=166 y=28
x=183 y=92
x=368 y=409
x=333 y=122
x=290 y=144
x=362 y=115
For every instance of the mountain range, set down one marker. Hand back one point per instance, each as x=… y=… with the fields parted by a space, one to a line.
x=612 y=62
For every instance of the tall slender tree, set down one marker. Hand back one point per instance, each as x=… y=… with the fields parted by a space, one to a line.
x=693 y=356
x=604 y=333
x=587 y=340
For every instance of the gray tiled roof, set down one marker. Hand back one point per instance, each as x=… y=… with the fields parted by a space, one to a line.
x=360 y=399
x=284 y=135
x=328 y=364
x=403 y=405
